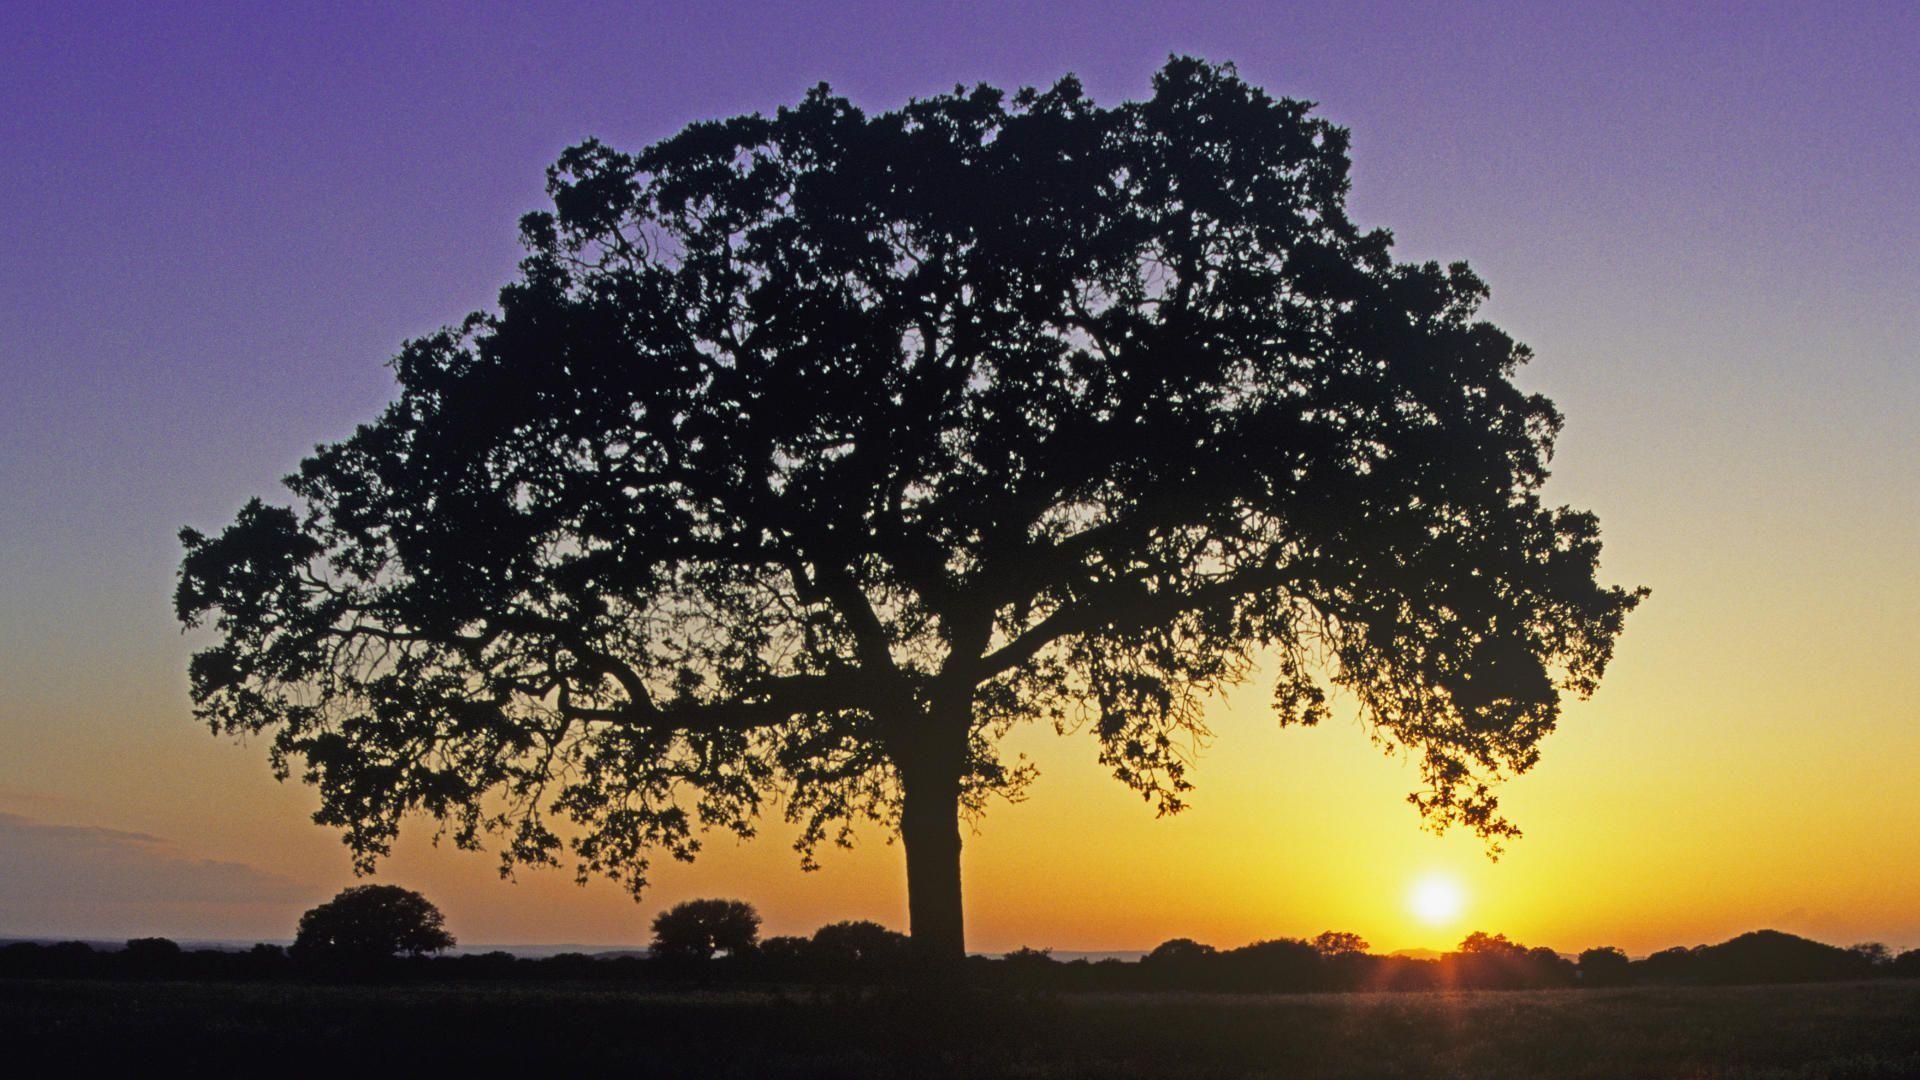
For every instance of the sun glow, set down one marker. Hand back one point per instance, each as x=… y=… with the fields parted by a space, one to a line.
x=1436 y=900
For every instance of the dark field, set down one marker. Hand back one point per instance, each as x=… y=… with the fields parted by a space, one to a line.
x=1844 y=1030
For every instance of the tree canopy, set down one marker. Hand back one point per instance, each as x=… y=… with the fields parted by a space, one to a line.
x=856 y=943
x=697 y=929
x=811 y=453
x=1340 y=943
x=368 y=924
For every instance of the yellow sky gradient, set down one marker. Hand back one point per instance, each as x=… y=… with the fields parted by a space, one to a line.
x=1746 y=764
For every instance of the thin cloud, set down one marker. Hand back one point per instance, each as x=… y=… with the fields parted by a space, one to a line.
x=14 y=798
x=73 y=877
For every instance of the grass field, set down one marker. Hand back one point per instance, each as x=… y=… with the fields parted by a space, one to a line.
x=1834 y=1030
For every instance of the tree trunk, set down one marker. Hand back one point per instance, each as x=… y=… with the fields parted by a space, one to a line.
x=930 y=831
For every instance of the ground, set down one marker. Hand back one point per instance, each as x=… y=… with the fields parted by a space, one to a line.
x=1854 y=1030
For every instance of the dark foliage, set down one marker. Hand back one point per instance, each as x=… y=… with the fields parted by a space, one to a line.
x=1673 y=965
x=1179 y=951
x=150 y=956
x=814 y=452
x=1872 y=953
x=68 y=959
x=857 y=946
x=1756 y=957
x=785 y=953
x=364 y=928
x=1176 y=963
x=1331 y=943
x=142 y=958
x=698 y=929
x=1491 y=962
x=1605 y=966
x=1283 y=964
x=866 y=953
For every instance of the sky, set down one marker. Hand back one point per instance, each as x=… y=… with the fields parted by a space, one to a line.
x=218 y=223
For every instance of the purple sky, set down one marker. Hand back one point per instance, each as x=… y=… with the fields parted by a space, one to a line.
x=217 y=223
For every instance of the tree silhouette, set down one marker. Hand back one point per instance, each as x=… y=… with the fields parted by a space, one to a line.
x=858 y=943
x=1605 y=966
x=1481 y=943
x=1872 y=954
x=788 y=952
x=151 y=956
x=697 y=929
x=1278 y=964
x=1907 y=964
x=368 y=925
x=1340 y=943
x=1179 y=951
x=812 y=453
x=1178 y=962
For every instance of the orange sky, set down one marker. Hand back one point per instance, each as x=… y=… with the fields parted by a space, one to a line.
x=1730 y=775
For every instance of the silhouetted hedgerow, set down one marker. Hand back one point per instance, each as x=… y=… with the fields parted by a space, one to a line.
x=868 y=954
x=1762 y=956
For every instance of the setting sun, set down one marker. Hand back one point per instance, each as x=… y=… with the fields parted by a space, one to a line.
x=1436 y=901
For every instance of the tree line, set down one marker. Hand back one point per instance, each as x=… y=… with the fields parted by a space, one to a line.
x=386 y=933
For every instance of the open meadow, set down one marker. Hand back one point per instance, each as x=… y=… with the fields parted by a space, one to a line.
x=1867 y=1029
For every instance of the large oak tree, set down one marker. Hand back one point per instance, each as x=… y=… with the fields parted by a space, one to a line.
x=809 y=454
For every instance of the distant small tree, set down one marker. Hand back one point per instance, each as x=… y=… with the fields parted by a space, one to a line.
x=1280 y=964
x=858 y=943
x=1605 y=966
x=1340 y=943
x=1180 y=963
x=1907 y=964
x=787 y=950
x=167 y=948
x=263 y=961
x=1544 y=967
x=1491 y=961
x=371 y=924
x=70 y=958
x=1873 y=954
x=1481 y=943
x=698 y=929
x=151 y=956
x=1677 y=964
x=1179 y=950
